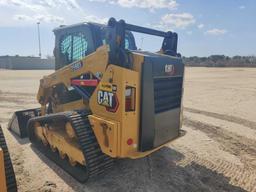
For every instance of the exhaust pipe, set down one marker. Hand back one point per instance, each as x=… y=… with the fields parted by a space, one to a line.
x=19 y=120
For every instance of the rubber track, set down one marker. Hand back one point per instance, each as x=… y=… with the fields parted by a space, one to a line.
x=96 y=161
x=9 y=173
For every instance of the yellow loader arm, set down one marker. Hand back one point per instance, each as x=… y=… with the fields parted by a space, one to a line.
x=94 y=64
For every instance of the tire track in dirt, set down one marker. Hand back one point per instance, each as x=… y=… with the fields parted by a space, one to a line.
x=237 y=145
x=4 y=120
x=10 y=107
x=16 y=99
x=239 y=176
x=230 y=118
x=22 y=175
x=190 y=172
x=17 y=93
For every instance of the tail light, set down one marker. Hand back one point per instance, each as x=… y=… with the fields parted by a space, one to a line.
x=130 y=99
x=129 y=141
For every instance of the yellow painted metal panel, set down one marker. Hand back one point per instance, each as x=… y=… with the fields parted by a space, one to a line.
x=2 y=172
x=120 y=78
x=58 y=138
x=107 y=134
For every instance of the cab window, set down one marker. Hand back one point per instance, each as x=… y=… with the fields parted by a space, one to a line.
x=80 y=46
x=75 y=45
x=127 y=44
x=66 y=48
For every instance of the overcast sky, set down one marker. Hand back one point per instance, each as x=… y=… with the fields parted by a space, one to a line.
x=205 y=27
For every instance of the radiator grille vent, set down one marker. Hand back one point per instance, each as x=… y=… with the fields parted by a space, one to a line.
x=167 y=93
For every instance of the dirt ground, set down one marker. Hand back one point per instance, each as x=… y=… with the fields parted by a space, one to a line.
x=218 y=153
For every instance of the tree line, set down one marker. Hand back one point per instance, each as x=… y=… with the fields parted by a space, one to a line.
x=220 y=61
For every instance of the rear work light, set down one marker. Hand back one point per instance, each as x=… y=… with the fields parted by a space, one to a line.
x=130 y=98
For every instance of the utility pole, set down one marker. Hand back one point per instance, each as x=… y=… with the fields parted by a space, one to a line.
x=39 y=41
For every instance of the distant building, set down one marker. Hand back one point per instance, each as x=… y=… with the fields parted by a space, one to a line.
x=23 y=63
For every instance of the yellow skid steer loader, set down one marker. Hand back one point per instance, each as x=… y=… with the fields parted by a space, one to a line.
x=106 y=99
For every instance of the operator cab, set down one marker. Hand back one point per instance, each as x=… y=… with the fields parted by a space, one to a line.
x=77 y=41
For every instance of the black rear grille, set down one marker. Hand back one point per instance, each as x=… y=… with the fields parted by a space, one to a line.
x=167 y=93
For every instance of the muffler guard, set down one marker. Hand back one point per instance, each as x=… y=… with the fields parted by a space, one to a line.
x=19 y=120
